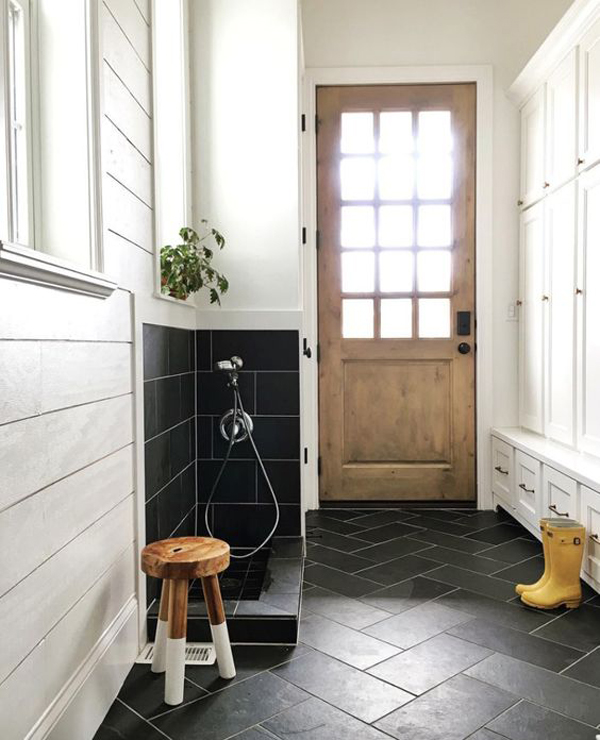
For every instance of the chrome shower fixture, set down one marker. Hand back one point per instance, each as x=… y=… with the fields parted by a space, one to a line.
x=235 y=426
x=231 y=367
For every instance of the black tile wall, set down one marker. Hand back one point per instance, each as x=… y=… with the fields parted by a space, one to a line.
x=169 y=434
x=270 y=389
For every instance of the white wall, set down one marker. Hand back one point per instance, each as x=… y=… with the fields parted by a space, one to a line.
x=353 y=33
x=245 y=122
x=68 y=375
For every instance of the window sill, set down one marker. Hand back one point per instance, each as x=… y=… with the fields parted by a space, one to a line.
x=24 y=263
x=178 y=301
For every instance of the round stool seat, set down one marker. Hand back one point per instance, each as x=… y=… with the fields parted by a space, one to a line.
x=185 y=558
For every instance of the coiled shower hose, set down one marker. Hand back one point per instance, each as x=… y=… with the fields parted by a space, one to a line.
x=238 y=406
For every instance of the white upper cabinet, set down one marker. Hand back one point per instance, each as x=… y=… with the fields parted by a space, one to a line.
x=561 y=122
x=589 y=308
x=531 y=345
x=560 y=255
x=589 y=96
x=532 y=148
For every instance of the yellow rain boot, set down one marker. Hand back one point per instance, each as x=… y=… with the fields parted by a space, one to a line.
x=565 y=547
x=520 y=588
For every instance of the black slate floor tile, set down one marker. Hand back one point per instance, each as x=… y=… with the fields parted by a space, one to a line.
x=315 y=720
x=332 y=524
x=517 y=644
x=364 y=697
x=256 y=733
x=429 y=664
x=144 y=691
x=343 y=643
x=392 y=549
x=379 y=518
x=442 y=515
x=498 y=534
x=513 y=551
x=486 y=585
x=342 y=583
x=398 y=570
x=529 y=571
x=350 y=612
x=433 y=537
x=336 y=541
x=542 y=687
x=121 y=723
x=579 y=628
x=228 y=712
x=529 y=722
x=388 y=532
x=347 y=562
x=485 y=734
x=428 y=522
x=341 y=514
x=508 y=614
x=406 y=595
x=452 y=711
x=417 y=625
x=481 y=519
x=476 y=563
x=586 y=670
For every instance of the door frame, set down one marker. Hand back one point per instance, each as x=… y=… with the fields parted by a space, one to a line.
x=482 y=76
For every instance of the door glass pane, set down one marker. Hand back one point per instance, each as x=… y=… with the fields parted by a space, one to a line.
x=396 y=178
x=396 y=272
x=395 y=226
x=396 y=318
x=357 y=176
x=358 y=226
x=434 y=177
x=357 y=133
x=435 y=131
x=434 y=317
x=433 y=271
x=357 y=318
x=435 y=226
x=358 y=272
x=395 y=132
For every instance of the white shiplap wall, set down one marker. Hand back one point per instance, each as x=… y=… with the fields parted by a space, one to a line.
x=68 y=612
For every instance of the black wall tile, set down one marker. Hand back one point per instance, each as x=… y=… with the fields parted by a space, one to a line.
x=237 y=484
x=278 y=393
x=277 y=437
x=157 y=464
x=181 y=351
x=168 y=402
x=188 y=395
x=214 y=397
x=181 y=444
x=260 y=350
x=204 y=431
x=150 y=426
x=285 y=479
x=156 y=351
x=203 y=355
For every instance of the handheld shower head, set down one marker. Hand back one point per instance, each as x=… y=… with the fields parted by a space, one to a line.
x=229 y=366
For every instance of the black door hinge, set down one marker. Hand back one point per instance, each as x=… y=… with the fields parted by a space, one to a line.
x=318 y=352
x=316 y=124
x=306 y=350
x=317 y=239
x=306 y=455
x=303 y=122
x=304 y=235
x=319 y=465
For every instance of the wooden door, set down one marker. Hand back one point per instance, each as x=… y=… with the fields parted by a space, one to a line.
x=531 y=326
x=532 y=148
x=396 y=192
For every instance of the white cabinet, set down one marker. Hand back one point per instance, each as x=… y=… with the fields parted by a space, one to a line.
x=527 y=488
x=532 y=147
x=559 y=494
x=589 y=316
x=561 y=122
x=590 y=518
x=531 y=345
x=560 y=256
x=503 y=461
x=589 y=96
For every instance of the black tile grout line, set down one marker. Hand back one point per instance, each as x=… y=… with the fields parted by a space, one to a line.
x=594 y=650
x=169 y=429
x=144 y=720
x=160 y=490
x=166 y=377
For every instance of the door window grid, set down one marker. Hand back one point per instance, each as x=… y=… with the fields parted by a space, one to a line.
x=387 y=301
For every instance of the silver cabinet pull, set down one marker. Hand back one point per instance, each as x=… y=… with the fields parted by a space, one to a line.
x=500 y=469
x=524 y=487
x=595 y=538
x=553 y=508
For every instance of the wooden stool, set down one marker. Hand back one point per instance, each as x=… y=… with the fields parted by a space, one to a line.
x=178 y=561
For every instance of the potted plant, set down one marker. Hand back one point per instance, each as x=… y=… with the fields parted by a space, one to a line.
x=187 y=267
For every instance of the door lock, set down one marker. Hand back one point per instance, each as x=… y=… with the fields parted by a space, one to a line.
x=464 y=348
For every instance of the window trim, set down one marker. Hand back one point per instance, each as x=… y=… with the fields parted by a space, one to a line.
x=30 y=263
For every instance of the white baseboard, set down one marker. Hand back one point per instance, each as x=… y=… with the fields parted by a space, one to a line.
x=84 y=701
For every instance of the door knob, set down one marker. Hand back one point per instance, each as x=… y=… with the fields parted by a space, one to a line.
x=464 y=348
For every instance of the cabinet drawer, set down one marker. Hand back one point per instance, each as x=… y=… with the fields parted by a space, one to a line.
x=560 y=497
x=590 y=516
x=528 y=494
x=503 y=461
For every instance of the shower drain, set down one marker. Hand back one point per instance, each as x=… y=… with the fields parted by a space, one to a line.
x=196 y=653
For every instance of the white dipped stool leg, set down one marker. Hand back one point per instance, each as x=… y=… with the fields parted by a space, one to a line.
x=218 y=626
x=175 y=653
x=159 y=658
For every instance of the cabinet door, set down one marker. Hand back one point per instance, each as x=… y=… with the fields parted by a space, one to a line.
x=589 y=313
x=527 y=490
x=560 y=255
x=531 y=330
x=589 y=96
x=560 y=496
x=532 y=148
x=590 y=518
x=503 y=461
x=561 y=122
